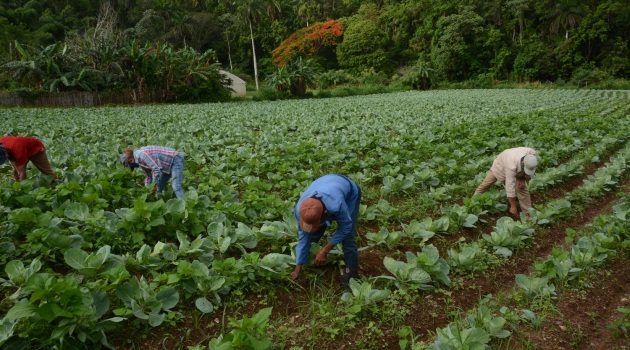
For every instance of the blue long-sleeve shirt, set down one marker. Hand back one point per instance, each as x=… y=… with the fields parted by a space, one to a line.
x=339 y=196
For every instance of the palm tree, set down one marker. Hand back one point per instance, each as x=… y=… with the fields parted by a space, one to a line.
x=227 y=22
x=566 y=14
x=251 y=11
x=181 y=25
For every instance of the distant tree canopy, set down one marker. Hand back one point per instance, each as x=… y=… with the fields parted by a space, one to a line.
x=516 y=40
x=364 y=45
x=318 y=39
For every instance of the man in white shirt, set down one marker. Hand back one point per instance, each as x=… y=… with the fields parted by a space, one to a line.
x=514 y=167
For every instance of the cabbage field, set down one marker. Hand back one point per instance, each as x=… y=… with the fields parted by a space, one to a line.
x=99 y=261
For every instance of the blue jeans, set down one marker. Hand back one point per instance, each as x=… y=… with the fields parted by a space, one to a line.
x=350 y=251
x=177 y=173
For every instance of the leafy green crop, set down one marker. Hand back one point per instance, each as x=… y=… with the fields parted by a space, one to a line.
x=362 y=295
x=101 y=233
x=508 y=234
x=144 y=301
x=407 y=275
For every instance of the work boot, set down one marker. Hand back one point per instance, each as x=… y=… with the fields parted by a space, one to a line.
x=346 y=275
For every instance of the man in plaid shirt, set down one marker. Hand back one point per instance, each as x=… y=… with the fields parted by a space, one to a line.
x=159 y=165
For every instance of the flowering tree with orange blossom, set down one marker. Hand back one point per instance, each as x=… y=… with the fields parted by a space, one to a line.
x=308 y=41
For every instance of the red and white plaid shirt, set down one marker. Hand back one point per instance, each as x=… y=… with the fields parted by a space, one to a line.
x=155 y=160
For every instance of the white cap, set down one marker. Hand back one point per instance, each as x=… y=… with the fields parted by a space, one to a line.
x=529 y=164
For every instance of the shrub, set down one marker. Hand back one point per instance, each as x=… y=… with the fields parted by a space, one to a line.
x=323 y=94
x=334 y=78
x=583 y=77
x=271 y=95
x=417 y=77
x=372 y=77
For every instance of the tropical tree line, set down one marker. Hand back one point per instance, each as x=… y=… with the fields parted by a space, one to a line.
x=149 y=73
x=262 y=40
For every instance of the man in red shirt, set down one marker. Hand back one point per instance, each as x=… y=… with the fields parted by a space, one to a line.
x=19 y=150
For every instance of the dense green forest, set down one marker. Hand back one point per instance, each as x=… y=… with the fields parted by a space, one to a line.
x=90 y=45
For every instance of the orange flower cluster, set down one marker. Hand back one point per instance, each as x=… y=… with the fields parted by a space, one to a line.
x=307 y=42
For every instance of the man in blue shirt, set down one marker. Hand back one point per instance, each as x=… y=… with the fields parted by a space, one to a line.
x=329 y=198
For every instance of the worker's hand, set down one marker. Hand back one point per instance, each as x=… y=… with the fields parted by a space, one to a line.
x=513 y=211
x=320 y=258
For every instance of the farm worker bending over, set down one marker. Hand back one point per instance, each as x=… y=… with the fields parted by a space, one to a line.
x=19 y=150
x=159 y=165
x=331 y=197
x=514 y=167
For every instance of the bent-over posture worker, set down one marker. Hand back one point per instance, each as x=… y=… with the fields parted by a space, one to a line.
x=20 y=150
x=514 y=167
x=159 y=165
x=330 y=198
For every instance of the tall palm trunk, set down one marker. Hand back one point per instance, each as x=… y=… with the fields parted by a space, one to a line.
x=521 y=24
x=251 y=33
x=227 y=38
